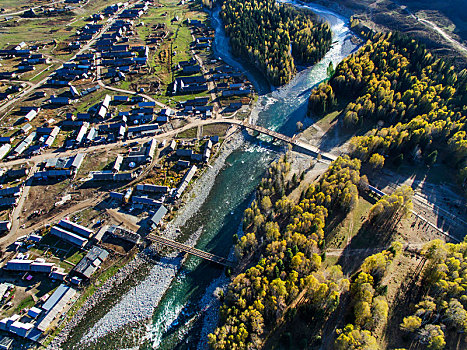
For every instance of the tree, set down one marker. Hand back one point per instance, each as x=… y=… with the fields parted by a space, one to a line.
x=431 y=158
x=433 y=336
x=379 y=311
x=330 y=71
x=456 y=315
x=299 y=126
x=390 y=209
x=266 y=204
x=411 y=323
x=376 y=161
x=352 y=338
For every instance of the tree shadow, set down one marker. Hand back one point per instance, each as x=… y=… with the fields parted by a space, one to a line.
x=368 y=241
x=446 y=201
x=337 y=135
x=409 y=293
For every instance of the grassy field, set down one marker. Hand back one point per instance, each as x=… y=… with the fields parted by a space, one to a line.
x=341 y=234
x=215 y=129
x=188 y=134
x=59 y=28
x=17 y=5
x=175 y=47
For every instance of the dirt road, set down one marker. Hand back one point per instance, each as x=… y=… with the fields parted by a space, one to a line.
x=12 y=237
x=26 y=92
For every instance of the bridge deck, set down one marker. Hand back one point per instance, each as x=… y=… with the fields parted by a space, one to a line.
x=190 y=250
x=298 y=144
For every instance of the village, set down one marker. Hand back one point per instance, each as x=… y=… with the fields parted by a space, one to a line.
x=102 y=134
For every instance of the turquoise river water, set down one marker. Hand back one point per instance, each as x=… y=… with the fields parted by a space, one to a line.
x=187 y=311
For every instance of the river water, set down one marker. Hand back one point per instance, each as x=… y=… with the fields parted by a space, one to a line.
x=181 y=317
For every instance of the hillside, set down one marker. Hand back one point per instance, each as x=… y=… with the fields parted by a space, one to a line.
x=274 y=38
x=422 y=20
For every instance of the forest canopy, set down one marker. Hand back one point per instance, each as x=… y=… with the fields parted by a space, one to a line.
x=394 y=82
x=274 y=37
x=287 y=237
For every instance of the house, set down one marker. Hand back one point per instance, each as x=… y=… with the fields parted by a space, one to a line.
x=34 y=312
x=58 y=275
x=29 y=265
x=144 y=200
x=68 y=236
x=71 y=163
x=74 y=91
x=6 y=343
x=52 y=136
x=75 y=228
x=81 y=133
x=190 y=62
x=10 y=192
x=116 y=195
x=8 y=202
x=111 y=176
x=187 y=70
x=198 y=101
x=143 y=154
x=120 y=99
x=92 y=134
x=196 y=157
x=123 y=233
x=31 y=114
x=44 y=175
x=207 y=151
x=91 y=262
x=158 y=215
x=183 y=163
x=152 y=188
x=134 y=131
x=26 y=128
x=184 y=152
x=54 y=306
x=21 y=148
x=56 y=100
x=236 y=92
x=117 y=164
x=16 y=173
x=185 y=181
x=192 y=84
x=4 y=149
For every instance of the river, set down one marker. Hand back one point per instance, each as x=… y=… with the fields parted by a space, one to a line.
x=181 y=317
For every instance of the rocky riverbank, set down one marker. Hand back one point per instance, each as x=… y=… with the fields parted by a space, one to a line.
x=138 y=304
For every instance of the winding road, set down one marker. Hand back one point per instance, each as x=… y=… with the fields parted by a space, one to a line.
x=459 y=47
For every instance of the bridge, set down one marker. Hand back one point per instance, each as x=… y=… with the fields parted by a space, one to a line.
x=298 y=146
x=190 y=250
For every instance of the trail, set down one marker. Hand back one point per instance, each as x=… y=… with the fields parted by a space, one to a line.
x=459 y=47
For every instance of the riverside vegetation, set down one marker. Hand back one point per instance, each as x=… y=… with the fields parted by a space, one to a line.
x=286 y=239
x=419 y=100
x=274 y=37
x=419 y=103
